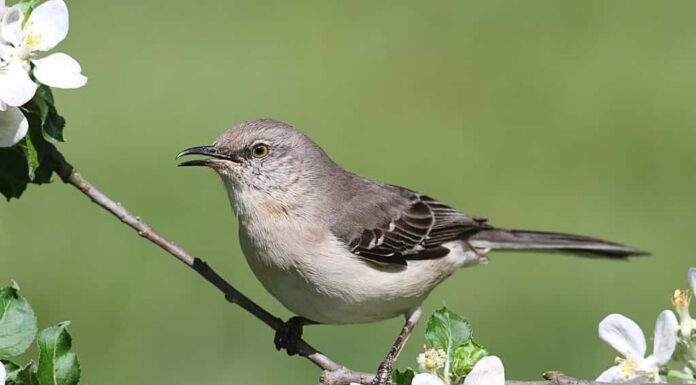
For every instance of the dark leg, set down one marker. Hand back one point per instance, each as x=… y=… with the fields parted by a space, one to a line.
x=290 y=334
x=384 y=372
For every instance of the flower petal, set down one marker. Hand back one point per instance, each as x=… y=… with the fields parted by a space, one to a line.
x=612 y=374
x=624 y=335
x=488 y=371
x=13 y=127
x=426 y=379
x=420 y=359
x=3 y=106
x=3 y=375
x=692 y=279
x=16 y=87
x=665 y=336
x=11 y=26
x=6 y=51
x=59 y=70
x=47 y=26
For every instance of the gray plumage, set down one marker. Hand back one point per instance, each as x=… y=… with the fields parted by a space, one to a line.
x=388 y=223
x=298 y=209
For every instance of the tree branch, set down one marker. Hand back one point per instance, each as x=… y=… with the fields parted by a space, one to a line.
x=332 y=374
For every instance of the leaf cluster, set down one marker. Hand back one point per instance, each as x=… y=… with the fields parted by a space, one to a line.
x=453 y=334
x=57 y=364
x=31 y=160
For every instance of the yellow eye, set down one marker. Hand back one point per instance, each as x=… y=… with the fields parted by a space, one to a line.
x=260 y=151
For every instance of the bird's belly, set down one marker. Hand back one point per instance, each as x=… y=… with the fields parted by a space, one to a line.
x=328 y=284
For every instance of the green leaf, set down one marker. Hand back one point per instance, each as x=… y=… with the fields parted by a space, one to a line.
x=403 y=378
x=42 y=171
x=14 y=172
x=32 y=155
x=11 y=370
x=57 y=364
x=25 y=375
x=40 y=108
x=45 y=93
x=465 y=357
x=17 y=322
x=36 y=149
x=52 y=124
x=679 y=375
x=27 y=6
x=30 y=161
x=447 y=330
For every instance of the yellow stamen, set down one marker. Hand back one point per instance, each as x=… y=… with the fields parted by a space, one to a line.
x=33 y=40
x=681 y=298
x=628 y=366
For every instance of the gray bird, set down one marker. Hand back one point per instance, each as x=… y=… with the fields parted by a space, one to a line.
x=336 y=248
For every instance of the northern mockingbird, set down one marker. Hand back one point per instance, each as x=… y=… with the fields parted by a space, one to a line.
x=338 y=248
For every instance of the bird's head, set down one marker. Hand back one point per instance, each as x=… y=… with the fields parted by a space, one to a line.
x=262 y=154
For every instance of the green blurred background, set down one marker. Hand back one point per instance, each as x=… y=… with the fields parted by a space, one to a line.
x=573 y=116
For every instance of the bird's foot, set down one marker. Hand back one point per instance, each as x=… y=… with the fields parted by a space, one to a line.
x=384 y=373
x=289 y=335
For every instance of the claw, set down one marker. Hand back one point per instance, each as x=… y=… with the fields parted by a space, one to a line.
x=289 y=335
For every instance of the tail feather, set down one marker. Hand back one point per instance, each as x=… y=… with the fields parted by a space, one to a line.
x=522 y=240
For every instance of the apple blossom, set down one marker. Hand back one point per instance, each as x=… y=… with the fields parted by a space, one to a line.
x=46 y=26
x=625 y=336
x=427 y=379
x=488 y=371
x=432 y=360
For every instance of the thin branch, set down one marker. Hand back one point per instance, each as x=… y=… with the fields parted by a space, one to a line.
x=332 y=374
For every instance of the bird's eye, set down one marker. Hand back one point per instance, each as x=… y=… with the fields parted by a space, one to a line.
x=260 y=151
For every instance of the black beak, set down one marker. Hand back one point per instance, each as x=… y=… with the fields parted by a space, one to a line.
x=203 y=150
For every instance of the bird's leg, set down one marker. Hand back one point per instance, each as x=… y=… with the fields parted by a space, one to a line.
x=289 y=335
x=384 y=372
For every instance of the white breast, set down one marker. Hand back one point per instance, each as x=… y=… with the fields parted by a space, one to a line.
x=315 y=276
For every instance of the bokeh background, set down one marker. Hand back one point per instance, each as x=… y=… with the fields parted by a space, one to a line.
x=573 y=116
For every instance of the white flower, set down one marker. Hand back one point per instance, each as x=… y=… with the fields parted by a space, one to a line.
x=426 y=379
x=431 y=360
x=46 y=27
x=2 y=374
x=488 y=371
x=625 y=336
x=16 y=87
x=3 y=8
x=13 y=127
x=680 y=302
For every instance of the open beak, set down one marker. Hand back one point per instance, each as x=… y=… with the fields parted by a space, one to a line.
x=206 y=151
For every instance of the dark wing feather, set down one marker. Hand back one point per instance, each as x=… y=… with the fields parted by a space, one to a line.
x=416 y=232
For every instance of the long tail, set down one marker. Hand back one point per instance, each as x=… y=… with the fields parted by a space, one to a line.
x=522 y=240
